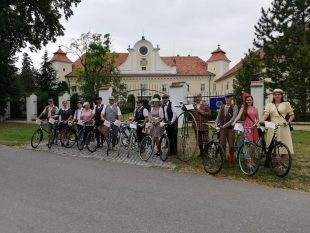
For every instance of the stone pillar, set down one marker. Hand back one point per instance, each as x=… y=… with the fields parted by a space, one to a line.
x=31 y=107
x=105 y=92
x=7 y=114
x=178 y=92
x=257 y=91
x=64 y=96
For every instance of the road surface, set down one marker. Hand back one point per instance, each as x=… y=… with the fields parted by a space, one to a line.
x=44 y=192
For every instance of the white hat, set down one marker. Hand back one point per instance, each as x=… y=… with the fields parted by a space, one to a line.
x=278 y=90
x=86 y=103
x=155 y=100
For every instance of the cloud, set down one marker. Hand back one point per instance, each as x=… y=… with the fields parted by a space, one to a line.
x=178 y=26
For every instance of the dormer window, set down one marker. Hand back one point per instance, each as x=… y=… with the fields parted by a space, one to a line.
x=143 y=67
x=63 y=69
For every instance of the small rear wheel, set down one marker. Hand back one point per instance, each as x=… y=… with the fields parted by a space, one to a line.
x=281 y=159
x=36 y=138
x=212 y=158
x=164 y=147
x=146 y=148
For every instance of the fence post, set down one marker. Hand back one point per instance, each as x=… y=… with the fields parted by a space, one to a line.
x=31 y=107
x=257 y=91
x=7 y=114
x=105 y=91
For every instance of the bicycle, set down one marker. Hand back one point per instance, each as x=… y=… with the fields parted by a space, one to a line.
x=67 y=134
x=82 y=135
x=164 y=143
x=247 y=154
x=213 y=154
x=37 y=136
x=91 y=139
x=144 y=150
x=275 y=153
x=113 y=137
x=187 y=138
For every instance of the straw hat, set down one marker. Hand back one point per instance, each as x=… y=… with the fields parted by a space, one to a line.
x=278 y=90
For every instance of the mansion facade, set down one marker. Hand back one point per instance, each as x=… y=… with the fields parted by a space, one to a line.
x=142 y=67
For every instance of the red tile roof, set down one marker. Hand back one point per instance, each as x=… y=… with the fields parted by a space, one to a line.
x=188 y=65
x=60 y=56
x=185 y=65
x=218 y=55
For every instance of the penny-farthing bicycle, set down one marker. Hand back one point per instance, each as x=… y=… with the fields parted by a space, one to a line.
x=187 y=134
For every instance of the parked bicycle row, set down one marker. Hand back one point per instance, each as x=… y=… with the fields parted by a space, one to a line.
x=160 y=131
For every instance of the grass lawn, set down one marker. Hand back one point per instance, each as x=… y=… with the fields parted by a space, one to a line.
x=17 y=134
x=298 y=178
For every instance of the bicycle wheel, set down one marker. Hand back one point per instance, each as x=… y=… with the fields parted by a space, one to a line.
x=80 y=142
x=51 y=137
x=281 y=159
x=146 y=148
x=212 y=158
x=187 y=138
x=36 y=138
x=91 y=142
x=133 y=144
x=125 y=137
x=112 y=142
x=68 y=137
x=249 y=158
x=164 y=147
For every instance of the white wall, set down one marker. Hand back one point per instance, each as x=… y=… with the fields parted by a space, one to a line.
x=31 y=107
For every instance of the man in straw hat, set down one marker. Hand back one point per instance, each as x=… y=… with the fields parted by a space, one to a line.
x=168 y=114
x=202 y=115
x=226 y=116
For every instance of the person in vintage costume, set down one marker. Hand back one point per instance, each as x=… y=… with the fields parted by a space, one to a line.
x=141 y=116
x=202 y=114
x=169 y=115
x=155 y=120
x=225 y=118
x=280 y=112
x=249 y=115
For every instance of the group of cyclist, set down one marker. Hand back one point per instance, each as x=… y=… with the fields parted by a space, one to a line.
x=279 y=112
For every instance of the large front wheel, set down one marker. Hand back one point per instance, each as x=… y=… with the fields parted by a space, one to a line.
x=91 y=142
x=164 y=147
x=212 y=158
x=68 y=137
x=249 y=157
x=281 y=159
x=36 y=138
x=187 y=136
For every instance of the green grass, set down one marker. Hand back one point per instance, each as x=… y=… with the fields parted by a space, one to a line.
x=17 y=134
x=298 y=178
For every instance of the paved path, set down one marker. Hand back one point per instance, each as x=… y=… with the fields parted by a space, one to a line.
x=44 y=192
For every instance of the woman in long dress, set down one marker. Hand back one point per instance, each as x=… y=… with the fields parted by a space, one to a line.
x=155 y=120
x=248 y=113
x=281 y=113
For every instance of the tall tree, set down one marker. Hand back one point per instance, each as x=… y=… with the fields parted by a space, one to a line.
x=250 y=70
x=283 y=34
x=47 y=81
x=27 y=22
x=98 y=65
x=28 y=74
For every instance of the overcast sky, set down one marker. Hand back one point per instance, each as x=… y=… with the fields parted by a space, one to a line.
x=181 y=27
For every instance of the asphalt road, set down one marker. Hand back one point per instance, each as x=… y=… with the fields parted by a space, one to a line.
x=43 y=192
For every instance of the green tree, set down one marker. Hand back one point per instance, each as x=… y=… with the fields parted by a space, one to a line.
x=47 y=79
x=283 y=34
x=62 y=87
x=131 y=102
x=27 y=22
x=28 y=75
x=98 y=65
x=250 y=70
